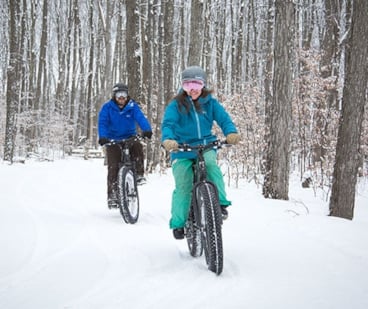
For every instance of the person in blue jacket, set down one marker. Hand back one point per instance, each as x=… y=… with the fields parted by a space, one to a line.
x=118 y=119
x=188 y=119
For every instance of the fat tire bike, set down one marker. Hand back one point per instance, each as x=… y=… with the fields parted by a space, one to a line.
x=203 y=228
x=127 y=189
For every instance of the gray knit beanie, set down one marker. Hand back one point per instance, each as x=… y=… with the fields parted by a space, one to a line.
x=194 y=73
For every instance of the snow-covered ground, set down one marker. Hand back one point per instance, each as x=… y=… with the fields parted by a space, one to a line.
x=61 y=247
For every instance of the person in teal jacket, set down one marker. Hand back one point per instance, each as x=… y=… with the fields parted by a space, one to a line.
x=188 y=119
x=118 y=120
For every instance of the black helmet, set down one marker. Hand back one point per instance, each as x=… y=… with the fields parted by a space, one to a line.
x=119 y=87
x=194 y=73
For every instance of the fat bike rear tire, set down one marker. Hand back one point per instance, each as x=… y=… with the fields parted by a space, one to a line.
x=193 y=235
x=211 y=223
x=128 y=195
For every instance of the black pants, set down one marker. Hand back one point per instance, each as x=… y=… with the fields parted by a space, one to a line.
x=113 y=154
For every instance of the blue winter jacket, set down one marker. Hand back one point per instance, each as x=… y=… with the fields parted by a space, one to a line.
x=195 y=128
x=117 y=124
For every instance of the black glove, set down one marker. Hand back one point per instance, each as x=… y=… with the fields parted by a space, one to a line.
x=147 y=134
x=102 y=141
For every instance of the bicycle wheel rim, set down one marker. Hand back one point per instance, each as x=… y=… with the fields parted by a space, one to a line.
x=128 y=195
x=209 y=210
x=193 y=235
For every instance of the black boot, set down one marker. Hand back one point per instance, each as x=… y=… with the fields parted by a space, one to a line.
x=178 y=233
x=112 y=200
x=224 y=212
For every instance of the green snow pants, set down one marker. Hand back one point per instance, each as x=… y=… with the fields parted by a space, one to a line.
x=183 y=176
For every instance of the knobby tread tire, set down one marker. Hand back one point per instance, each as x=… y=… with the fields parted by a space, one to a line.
x=211 y=220
x=128 y=195
x=193 y=234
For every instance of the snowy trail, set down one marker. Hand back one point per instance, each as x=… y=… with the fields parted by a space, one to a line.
x=63 y=248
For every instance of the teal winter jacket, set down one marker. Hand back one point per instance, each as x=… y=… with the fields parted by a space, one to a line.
x=195 y=127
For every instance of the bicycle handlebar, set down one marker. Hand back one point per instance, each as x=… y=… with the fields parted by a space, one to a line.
x=217 y=144
x=137 y=137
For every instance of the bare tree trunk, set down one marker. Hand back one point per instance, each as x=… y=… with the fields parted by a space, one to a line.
x=13 y=80
x=268 y=79
x=207 y=43
x=160 y=13
x=306 y=15
x=90 y=102
x=354 y=97
x=221 y=35
x=106 y=20
x=80 y=85
x=276 y=184
x=329 y=71
x=196 y=33
x=118 y=61
x=237 y=58
x=168 y=42
x=183 y=59
x=39 y=99
x=147 y=50
x=133 y=48
x=167 y=54
x=254 y=65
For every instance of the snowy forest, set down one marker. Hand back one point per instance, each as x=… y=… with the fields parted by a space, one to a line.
x=292 y=74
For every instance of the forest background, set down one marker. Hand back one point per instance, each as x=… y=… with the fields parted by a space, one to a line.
x=293 y=75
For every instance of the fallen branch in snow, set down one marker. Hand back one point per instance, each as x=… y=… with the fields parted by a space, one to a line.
x=300 y=203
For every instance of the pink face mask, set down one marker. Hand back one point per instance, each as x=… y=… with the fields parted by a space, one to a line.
x=189 y=85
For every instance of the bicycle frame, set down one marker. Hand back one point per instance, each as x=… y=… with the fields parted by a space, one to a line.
x=199 y=170
x=124 y=145
x=128 y=199
x=203 y=227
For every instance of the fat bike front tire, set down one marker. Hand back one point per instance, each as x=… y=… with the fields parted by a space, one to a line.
x=128 y=195
x=211 y=223
x=193 y=234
